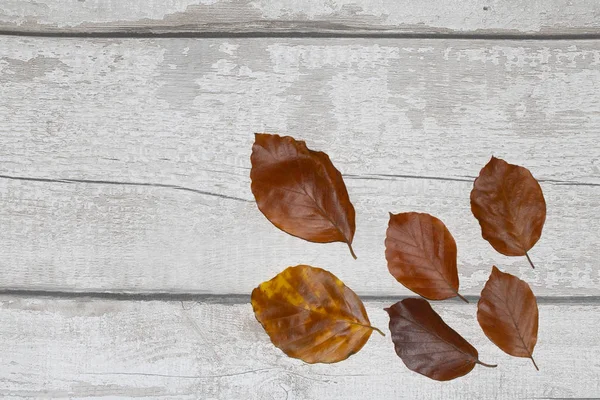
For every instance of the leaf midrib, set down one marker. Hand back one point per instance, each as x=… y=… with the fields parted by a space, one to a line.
x=505 y=302
x=426 y=257
x=439 y=337
x=328 y=316
x=319 y=209
x=518 y=235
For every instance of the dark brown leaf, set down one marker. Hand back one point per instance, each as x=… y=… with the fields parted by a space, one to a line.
x=311 y=315
x=427 y=345
x=509 y=204
x=300 y=191
x=421 y=255
x=508 y=314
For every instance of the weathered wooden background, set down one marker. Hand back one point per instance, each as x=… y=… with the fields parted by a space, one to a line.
x=129 y=240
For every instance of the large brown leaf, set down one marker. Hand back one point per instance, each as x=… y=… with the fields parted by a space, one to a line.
x=421 y=255
x=509 y=204
x=508 y=314
x=300 y=191
x=311 y=315
x=427 y=345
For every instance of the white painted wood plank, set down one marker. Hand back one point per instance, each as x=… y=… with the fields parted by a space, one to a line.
x=480 y=17
x=118 y=349
x=409 y=122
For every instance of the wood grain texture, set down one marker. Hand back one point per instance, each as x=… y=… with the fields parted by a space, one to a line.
x=125 y=163
x=118 y=349
x=477 y=17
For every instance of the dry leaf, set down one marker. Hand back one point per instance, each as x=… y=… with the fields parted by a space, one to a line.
x=421 y=255
x=311 y=315
x=426 y=344
x=508 y=314
x=509 y=204
x=300 y=191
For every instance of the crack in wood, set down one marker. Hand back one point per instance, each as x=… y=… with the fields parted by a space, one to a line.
x=465 y=178
x=101 y=182
x=233 y=374
x=384 y=177
x=181 y=376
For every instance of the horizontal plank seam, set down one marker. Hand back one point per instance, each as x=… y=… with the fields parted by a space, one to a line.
x=300 y=34
x=243 y=299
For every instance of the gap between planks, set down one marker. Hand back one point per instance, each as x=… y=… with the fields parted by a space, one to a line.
x=149 y=34
x=243 y=299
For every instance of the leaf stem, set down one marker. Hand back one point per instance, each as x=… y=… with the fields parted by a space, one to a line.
x=351 y=250
x=383 y=334
x=370 y=327
x=461 y=297
x=534 y=364
x=530 y=263
x=486 y=365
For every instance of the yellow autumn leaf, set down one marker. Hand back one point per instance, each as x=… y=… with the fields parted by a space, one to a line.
x=311 y=315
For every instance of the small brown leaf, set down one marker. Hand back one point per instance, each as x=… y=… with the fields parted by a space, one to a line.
x=509 y=204
x=508 y=314
x=300 y=191
x=427 y=345
x=421 y=255
x=311 y=315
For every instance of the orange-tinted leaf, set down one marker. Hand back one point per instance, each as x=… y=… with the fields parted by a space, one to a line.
x=311 y=315
x=421 y=255
x=300 y=191
x=508 y=314
x=426 y=344
x=509 y=204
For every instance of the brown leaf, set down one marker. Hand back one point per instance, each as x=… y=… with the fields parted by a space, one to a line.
x=300 y=191
x=421 y=255
x=508 y=314
x=311 y=315
x=509 y=204
x=427 y=345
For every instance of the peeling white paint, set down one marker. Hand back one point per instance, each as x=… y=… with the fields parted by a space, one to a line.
x=183 y=112
x=132 y=349
x=426 y=16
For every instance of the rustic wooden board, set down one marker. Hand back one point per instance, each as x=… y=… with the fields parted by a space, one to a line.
x=125 y=163
x=476 y=17
x=91 y=348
